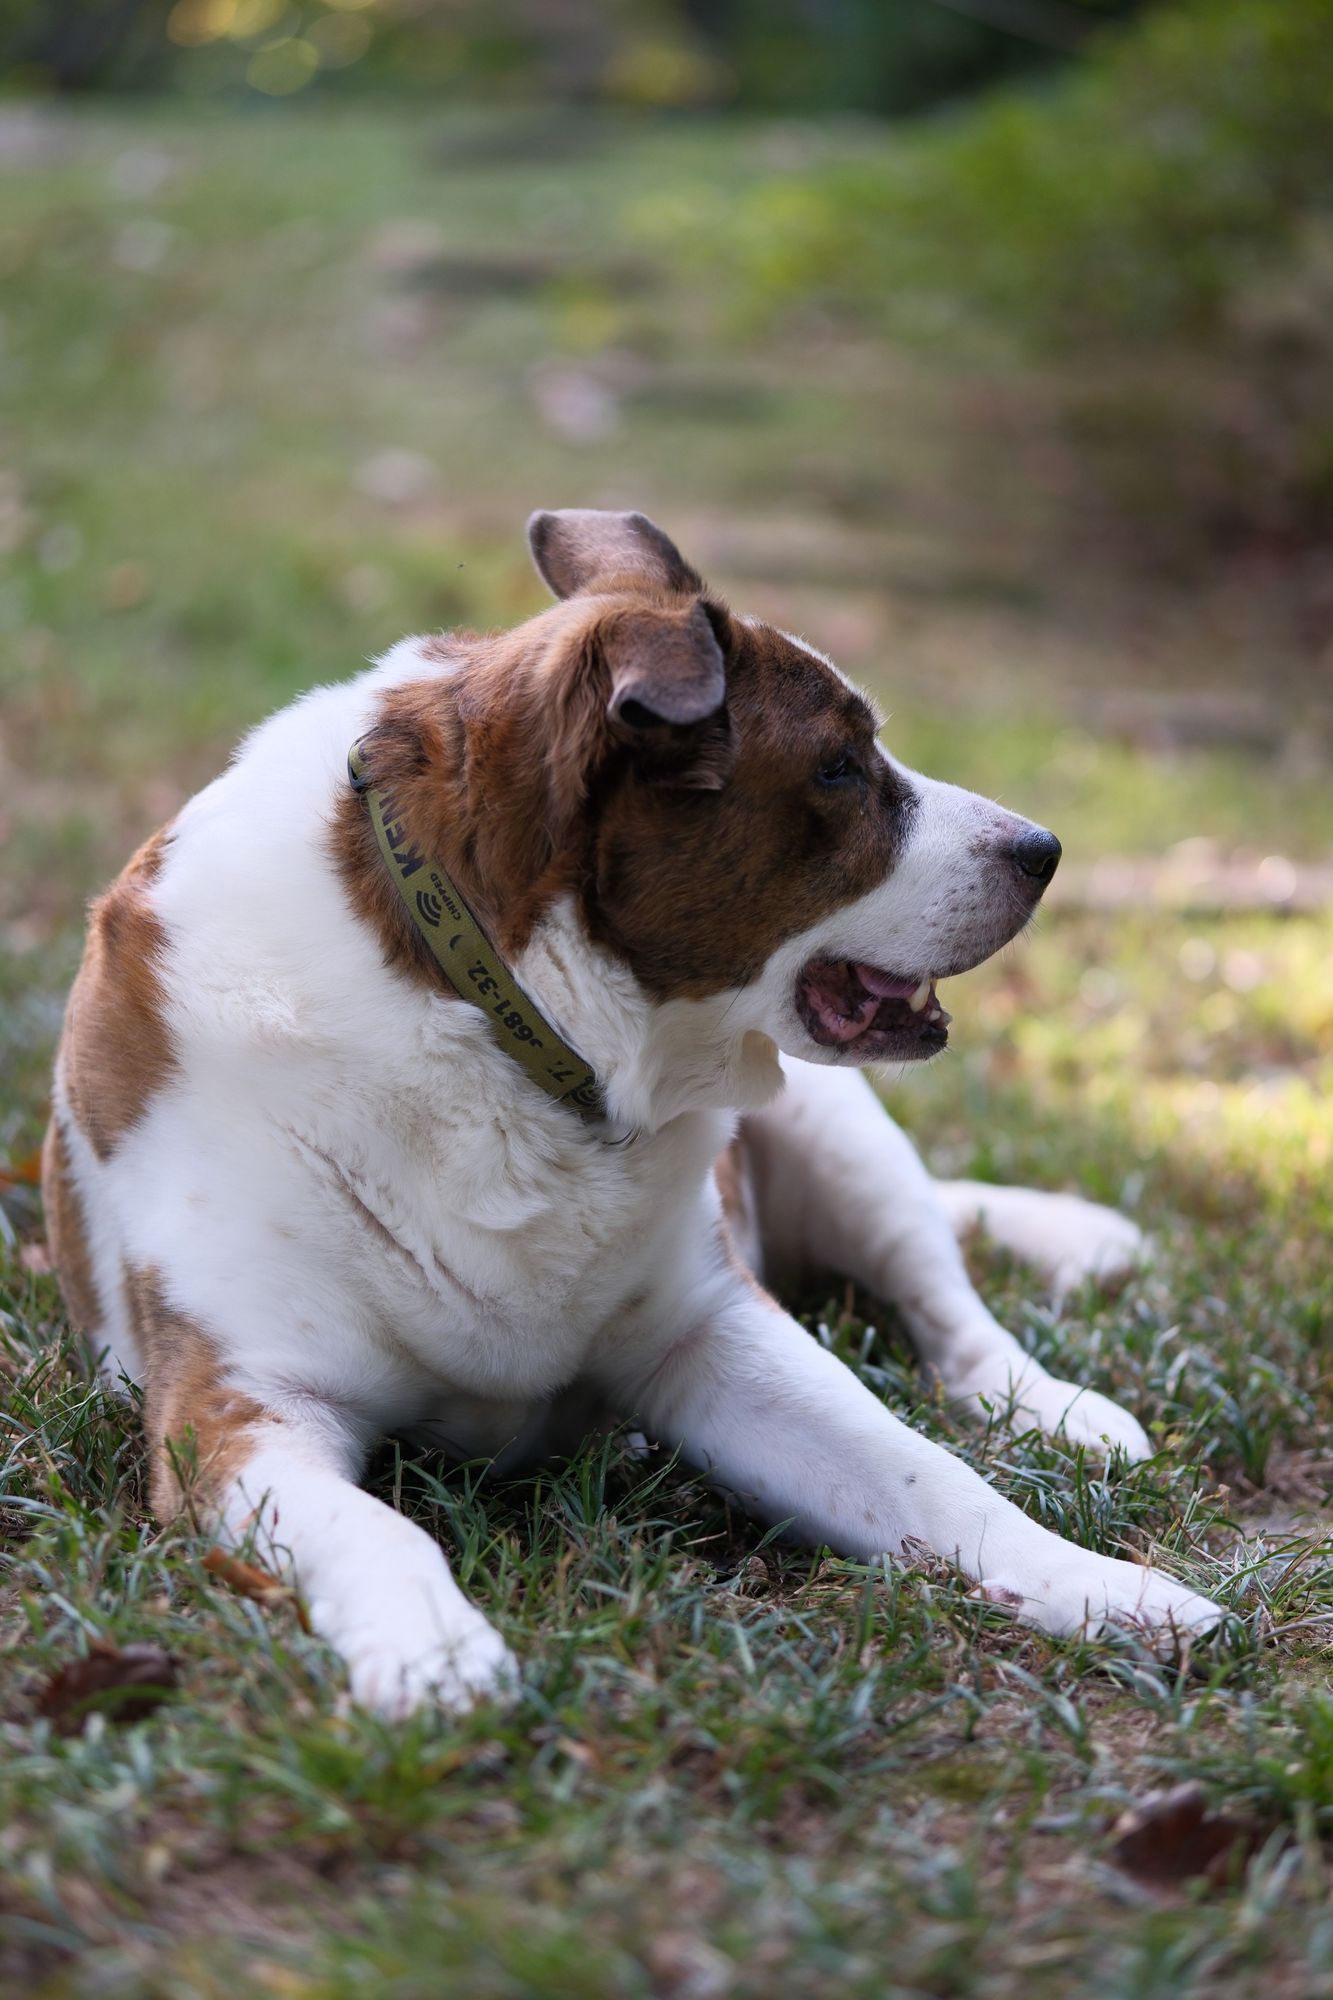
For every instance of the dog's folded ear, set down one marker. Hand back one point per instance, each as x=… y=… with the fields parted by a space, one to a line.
x=580 y=548
x=666 y=668
x=667 y=701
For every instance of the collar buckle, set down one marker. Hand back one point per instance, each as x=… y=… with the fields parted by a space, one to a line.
x=358 y=777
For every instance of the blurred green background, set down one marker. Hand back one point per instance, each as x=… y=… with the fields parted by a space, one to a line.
x=988 y=343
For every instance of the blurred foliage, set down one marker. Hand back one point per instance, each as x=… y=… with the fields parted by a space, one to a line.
x=1154 y=203
x=765 y=54
x=1165 y=213
x=1138 y=199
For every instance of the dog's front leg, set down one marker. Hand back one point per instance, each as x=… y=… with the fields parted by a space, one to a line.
x=752 y=1399
x=376 y=1586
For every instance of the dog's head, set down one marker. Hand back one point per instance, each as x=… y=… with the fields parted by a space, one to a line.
x=711 y=797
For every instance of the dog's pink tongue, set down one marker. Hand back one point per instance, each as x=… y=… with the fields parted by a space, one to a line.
x=841 y=1017
x=882 y=986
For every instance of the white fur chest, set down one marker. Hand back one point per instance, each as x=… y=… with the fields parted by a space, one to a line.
x=496 y=1242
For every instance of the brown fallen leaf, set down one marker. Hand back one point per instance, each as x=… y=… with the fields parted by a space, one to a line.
x=582 y=1754
x=249 y=1580
x=1171 y=1837
x=26 y=1172
x=124 y=1683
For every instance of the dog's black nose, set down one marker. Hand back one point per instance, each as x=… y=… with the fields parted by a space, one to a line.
x=1037 y=853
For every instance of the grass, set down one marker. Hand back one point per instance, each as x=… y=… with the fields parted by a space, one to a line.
x=737 y=1767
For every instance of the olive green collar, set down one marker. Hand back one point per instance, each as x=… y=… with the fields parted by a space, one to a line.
x=464 y=954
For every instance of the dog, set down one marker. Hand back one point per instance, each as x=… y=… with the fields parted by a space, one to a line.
x=485 y=1077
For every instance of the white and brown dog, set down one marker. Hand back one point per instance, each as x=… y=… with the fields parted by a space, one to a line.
x=310 y=1178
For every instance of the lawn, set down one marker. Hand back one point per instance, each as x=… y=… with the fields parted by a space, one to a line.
x=281 y=386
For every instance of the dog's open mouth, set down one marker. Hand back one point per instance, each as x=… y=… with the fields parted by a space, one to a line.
x=874 y=1015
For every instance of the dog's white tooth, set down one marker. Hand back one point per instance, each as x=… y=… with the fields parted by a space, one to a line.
x=935 y=1014
x=920 y=997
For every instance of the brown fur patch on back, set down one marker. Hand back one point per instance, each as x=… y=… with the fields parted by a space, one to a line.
x=200 y=1429
x=116 y=1048
x=67 y=1233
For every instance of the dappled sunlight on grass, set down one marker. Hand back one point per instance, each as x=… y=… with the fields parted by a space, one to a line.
x=1197 y=1051
x=1275 y=1135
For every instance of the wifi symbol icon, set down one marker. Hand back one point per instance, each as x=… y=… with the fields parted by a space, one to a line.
x=430 y=907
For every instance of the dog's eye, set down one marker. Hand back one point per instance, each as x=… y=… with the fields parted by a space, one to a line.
x=837 y=770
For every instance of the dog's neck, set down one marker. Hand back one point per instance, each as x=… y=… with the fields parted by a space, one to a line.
x=465 y=955
x=447 y=746
x=655 y=1060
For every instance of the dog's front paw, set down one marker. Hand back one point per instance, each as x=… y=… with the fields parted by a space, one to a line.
x=395 y=1673
x=1036 y=1399
x=1076 y=1594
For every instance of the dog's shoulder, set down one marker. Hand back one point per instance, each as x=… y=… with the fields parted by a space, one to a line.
x=261 y=936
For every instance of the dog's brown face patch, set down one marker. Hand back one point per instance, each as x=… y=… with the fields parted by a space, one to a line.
x=115 y=1050
x=696 y=889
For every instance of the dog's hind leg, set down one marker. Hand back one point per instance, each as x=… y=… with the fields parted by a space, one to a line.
x=279 y=1477
x=1063 y=1236
x=835 y=1185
